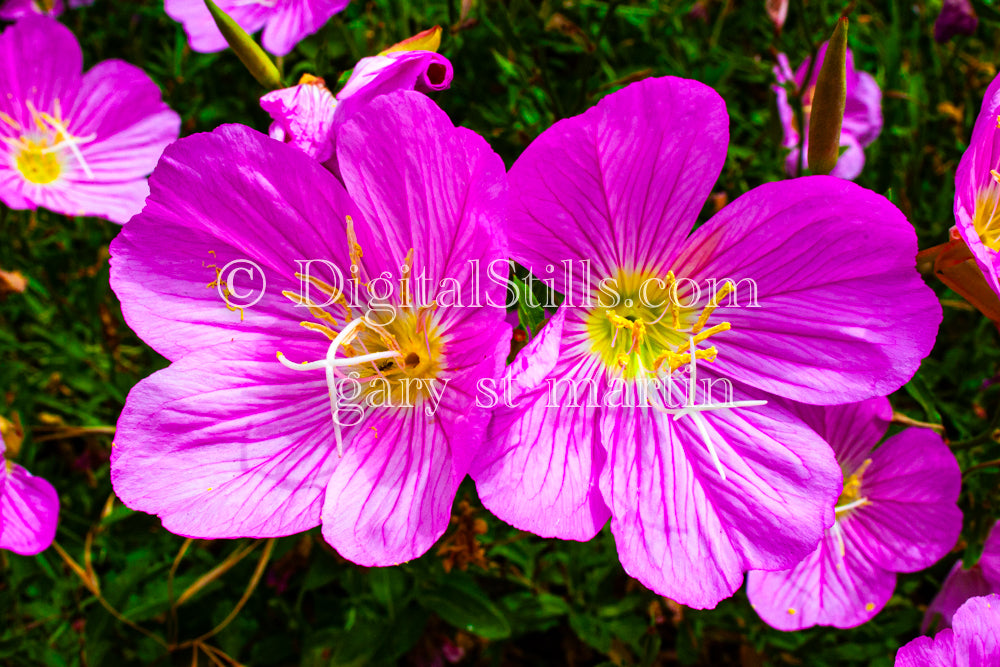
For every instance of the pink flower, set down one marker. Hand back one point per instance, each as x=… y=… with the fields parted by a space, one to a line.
x=77 y=144
x=11 y=10
x=227 y=441
x=308 y=115
x=285 y=22
x=897 y=513
x=29 y=509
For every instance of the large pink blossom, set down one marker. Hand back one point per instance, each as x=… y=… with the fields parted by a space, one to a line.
x=227 y=441
x=695 y=498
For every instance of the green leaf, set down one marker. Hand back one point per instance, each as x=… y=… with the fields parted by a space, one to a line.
x=466 y=607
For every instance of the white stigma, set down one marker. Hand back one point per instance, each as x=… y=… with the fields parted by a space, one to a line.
x=331 y=363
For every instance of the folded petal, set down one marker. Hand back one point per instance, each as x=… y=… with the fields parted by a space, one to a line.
x=840 y=314
x=539 y=464
x=423 y=71
x=912 y=485
x=230 y=195
x=226 y=442
x=687 y=533
x=620 y=185
x=977 y=632
x=836 y=585
x=927 y=652
x=29 y=510
x=303 y=116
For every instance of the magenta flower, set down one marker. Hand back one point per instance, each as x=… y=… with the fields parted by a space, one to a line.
x=605 y=202
x=11 y=10
x=308 y=115
x=29 y=509
x=285 y=22
x=957 y=17
x=973 y=642
x=862 y=113
x=896 y=513
x=227 y=441
x=75 y=144
x=977 y=188
x=961 y=584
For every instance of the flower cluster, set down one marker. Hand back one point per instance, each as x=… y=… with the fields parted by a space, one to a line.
x=311 y=407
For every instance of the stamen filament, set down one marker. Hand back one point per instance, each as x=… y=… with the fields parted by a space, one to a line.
x=331 y=363
x=851 y=505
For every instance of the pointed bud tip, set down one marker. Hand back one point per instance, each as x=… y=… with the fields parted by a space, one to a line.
x=246 y=49
x=829 y=99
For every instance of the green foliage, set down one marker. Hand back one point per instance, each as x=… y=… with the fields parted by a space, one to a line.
x=68 y=360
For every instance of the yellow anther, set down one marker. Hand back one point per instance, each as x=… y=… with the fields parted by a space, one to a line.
x=10 y=121
x=322 y=328
x=995 y=175
x=622 y=359
x=718 y=328
x=314 y=310
x=791 y=610
x=352 y=243
x=618 y=320
x=311 y=80
x=405 y=280
x=727 y=287
x=677 y=359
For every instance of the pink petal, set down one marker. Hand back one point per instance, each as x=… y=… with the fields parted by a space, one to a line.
x=539 y=465
x=619 y=185
x=912 y=520
x=828 y=587
x=842 y=313
x=227 y=442
x=688 y=534
x=29 y=511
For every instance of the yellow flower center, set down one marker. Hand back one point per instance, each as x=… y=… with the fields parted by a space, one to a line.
x=986 y=218
x=850 y=497
x=41 y=150
x=653 y=325
x=389 y=358
x=36 y=165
